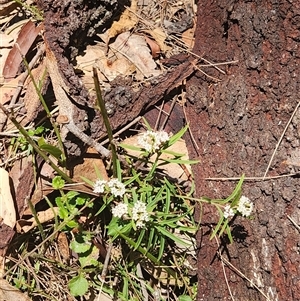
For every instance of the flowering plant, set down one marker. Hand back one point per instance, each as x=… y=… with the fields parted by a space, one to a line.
x=146 y=200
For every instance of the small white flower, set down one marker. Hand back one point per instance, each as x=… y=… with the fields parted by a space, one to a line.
x=152 y=141
x=117 y=188
x=228 y=211
x=140 y=224
x=119 y=210
x=140 y=214
x=99 y=186
x=245 y=206
x=162 y=136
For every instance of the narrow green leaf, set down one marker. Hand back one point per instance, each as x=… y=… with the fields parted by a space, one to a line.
x=150 y=256
x=131 y=147
x=228 y=231
x=50 y=149
x=138 y=242
x=176 y=137
x=216 y=230
x=125 y=288
x=161 y=247
x=225 y=224
x=167 y=202
x=184 y=298
x=150 y=238
x=236 y=192
x=179 y=161
x=89 y=182
x=171 y=236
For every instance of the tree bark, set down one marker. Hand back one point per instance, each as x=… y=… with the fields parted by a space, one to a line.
x=237 y=123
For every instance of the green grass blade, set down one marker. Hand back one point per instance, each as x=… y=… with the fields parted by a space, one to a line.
x=170 y=235
x=138 y=242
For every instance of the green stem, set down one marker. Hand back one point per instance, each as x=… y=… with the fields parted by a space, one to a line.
x=101 y=106
x=34 y=145
x=56 y=130
x=150 y=256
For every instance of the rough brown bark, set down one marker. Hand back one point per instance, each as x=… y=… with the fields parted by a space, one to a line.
x=237 y=123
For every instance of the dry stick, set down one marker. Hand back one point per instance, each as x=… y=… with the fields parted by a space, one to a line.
x=185 y=116
x=252 y=178
x=140 y=275
x=136 y=120
x=169 y=113
x=17 y=156
x=216 y=64
x=294 y=223
x=209 y=76
x=106 y=261
x=244 y=276
x=223 y=268
x=281 y=137
x=160 y=110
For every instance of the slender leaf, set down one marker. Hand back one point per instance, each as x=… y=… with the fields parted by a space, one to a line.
x=171 y=236
x=161 y=247
x=139 y=240
x=150 y=238
x=216 y=230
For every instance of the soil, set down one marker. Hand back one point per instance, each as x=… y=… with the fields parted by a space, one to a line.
x=237 y=123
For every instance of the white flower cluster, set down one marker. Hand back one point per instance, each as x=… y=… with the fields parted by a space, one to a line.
x=99 y=186
x=245 y=206
x=116 y=187
x=228 y=211
x=119 y=210
x=140 y=214
x=152 y=141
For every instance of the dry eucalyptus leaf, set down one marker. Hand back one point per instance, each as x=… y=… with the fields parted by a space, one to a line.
x=91 y=163
x=6 y=9
x=126 y=22
x=8 y=89
x=173 y=170
x=155 y=49
x=188 y=36
x=7 y=207
x=63 y=245
x=23 y=226
x=136 y=50
x=22 y=177
x=24 y=41
x=160 y=37
x=10 y=293
x=31 y=99
x=6 y=40
x=110 y=65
